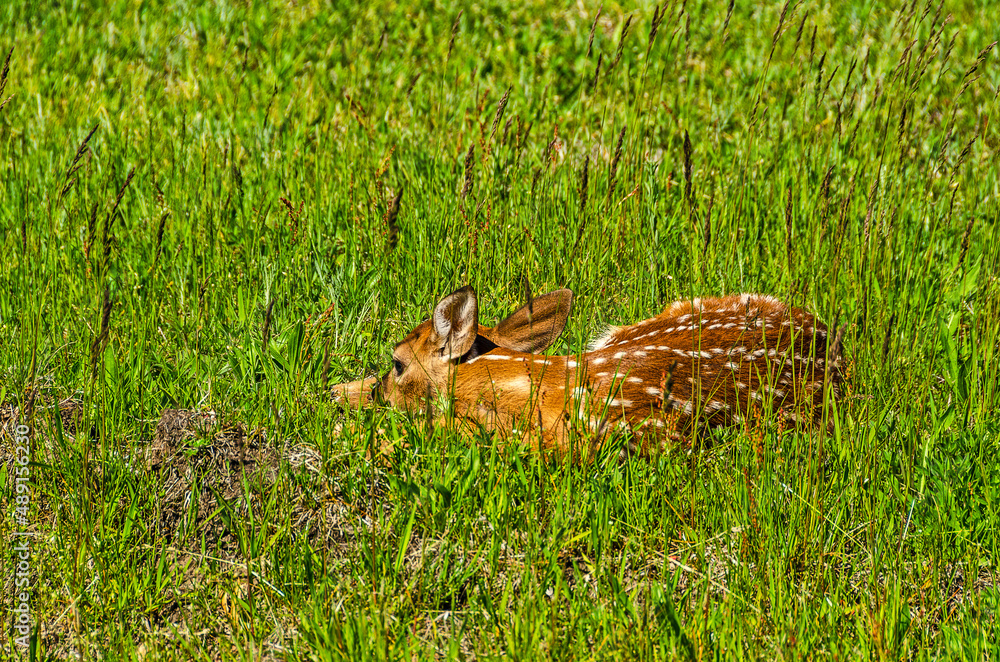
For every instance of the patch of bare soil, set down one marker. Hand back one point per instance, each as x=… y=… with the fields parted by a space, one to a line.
x=207 y=464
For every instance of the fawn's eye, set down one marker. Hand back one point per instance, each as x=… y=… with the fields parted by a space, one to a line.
x=397 y=366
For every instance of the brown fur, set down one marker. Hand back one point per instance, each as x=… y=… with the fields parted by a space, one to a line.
x=711 y=361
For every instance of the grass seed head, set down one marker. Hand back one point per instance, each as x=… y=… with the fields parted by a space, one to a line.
x=621 y=40
x=593 y=27
x=499 y=115
x=75 y=165
x=777 y=30
x=159 y=235
x=390 y=219
x=470 y=161
x=612 y=179
x=454 y=33
x=654 y=26
x=798 y=33
x=4 y=73
x=687 y=167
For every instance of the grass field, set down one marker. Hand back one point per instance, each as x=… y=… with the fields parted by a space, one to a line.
x=198 y=243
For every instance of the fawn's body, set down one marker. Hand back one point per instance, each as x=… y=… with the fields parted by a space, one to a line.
x=713 y=361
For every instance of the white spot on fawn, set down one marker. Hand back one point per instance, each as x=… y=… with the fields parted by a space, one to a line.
x=605 y=338
x=653 y=391
x=519 y=383
x=634 y=380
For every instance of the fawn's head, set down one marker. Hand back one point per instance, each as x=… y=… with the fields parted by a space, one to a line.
x=425 y=362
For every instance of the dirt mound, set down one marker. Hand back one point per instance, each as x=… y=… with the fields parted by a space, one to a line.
x=215 y=473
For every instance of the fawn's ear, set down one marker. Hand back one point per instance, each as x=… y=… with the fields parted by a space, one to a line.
x=456 y=322
x=535 y=325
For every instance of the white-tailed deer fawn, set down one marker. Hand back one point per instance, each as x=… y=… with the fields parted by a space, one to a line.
x=709 y=361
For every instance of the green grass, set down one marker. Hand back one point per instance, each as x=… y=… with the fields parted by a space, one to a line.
x=221 y=242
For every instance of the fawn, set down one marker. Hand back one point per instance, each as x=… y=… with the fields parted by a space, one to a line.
x=709 y=361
